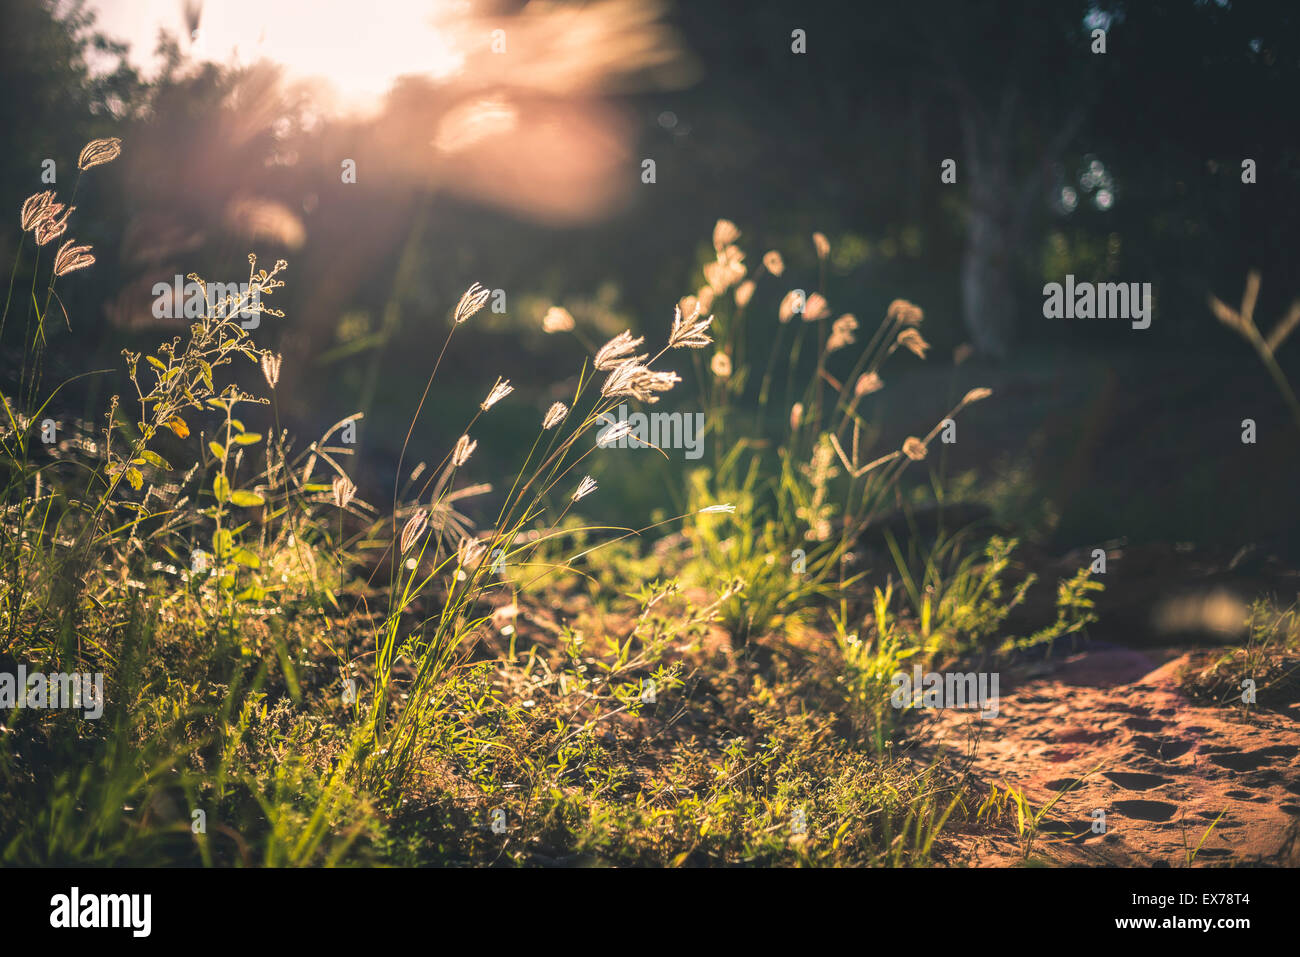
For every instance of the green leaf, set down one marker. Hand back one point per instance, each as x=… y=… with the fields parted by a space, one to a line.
x=156 y=460
x=221 y=488
x=216 y=449
x=248 y=438
x=246 y=558
x=222 y=542
x=246 y=499
x=157 y=363
x=135 y=478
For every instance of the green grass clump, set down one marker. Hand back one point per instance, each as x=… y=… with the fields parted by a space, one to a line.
x=296 y=676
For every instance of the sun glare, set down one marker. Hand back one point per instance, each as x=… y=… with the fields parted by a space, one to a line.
x=357 y=49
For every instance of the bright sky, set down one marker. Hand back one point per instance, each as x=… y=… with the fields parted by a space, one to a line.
x=359 y=47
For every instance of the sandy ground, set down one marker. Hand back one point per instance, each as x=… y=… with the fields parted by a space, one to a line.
x=1166 y=766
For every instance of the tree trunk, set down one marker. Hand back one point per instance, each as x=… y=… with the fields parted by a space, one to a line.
x=987 y=283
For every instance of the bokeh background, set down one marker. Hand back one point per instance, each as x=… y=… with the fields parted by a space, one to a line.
x=515 y=159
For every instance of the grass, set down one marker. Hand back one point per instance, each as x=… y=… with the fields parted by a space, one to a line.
x=297 y=676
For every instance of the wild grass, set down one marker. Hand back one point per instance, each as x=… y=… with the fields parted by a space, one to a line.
x=296 y=675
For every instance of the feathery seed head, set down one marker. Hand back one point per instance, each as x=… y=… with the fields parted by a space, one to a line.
x=822 y=244
x=867 y=384
x=71 y=258
x=470 y=303
x=721 y=365
x=689 y=333
x=99 y=152
x=554 y=415
x=612 y=433
x=344 y=491
x=724 y=234
x=470 y=552
x=912 y=340
x=792 y=303
x=637 y=381
x=271 y=368
x=616 y=350
x=557 y=319
x=585 y=488
x=415 y=526
x=745 y=292
x=842 y=332
x=51 y=227
x=914 y=448
x=816 y=308
x=500 y=390
x=464 y=449
x=36 y=209
x=774 y=263
x=905 y=312
x=727 y=270
x=975 y=395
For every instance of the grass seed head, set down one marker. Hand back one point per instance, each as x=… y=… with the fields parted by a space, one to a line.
x=912 y=340
x=689 y=333
x=99 y=152
x=842 y=332
x=724 y=234
x=557 y=319
x=816 y=307
x=464 y=449
x=51 y=227
x=500 y=390
x=414 y=528
x=71 y=258
x=585 y=488
x=271 y=368
x=554 y=415
x=867 y=384
x=470 y=303
x=909 y=314
x=616 y=351
x=36 y=209
x=344 y=491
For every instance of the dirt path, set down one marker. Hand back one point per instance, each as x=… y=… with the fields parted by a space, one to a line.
x=1168 y=765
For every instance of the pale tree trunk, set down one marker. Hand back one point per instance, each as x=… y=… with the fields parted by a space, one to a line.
x=987 y=283
x=1002 y=201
